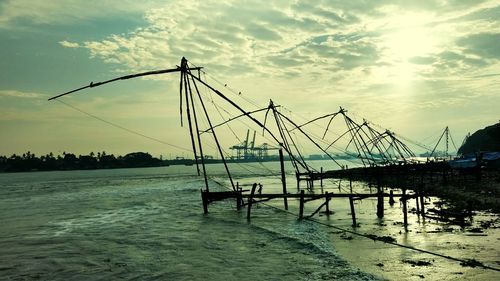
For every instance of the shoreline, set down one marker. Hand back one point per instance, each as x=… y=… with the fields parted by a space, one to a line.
x=392 y=262
x=463 y=191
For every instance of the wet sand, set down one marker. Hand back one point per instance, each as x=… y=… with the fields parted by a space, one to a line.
x=477 y=241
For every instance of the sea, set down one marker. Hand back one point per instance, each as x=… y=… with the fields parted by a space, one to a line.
x=148 y=224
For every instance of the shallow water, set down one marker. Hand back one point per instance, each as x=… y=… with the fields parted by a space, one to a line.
x=147 y=224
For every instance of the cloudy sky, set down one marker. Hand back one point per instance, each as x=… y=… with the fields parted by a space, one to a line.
x=412 y=66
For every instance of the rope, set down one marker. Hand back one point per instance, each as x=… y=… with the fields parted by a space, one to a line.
x=121 y=127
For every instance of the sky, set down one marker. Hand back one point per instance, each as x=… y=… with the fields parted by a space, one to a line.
x=413 y=67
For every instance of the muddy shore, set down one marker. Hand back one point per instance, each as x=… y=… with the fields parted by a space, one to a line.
x=461 y=191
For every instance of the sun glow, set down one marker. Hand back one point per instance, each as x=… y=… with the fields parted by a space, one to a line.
x=410 y=42
x=409 y=38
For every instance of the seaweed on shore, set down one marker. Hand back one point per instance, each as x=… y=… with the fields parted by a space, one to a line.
x=387 y=239
x=417 y=263
x=471 y=263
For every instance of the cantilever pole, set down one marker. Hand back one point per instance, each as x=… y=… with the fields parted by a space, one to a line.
x=310 y=139
x=200 y=146
x=283 y=178
x=188 y=112
x=217 y=92
x=213 y=133
x=92 y=84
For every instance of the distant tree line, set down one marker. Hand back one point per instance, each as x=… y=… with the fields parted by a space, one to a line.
x=69 y=161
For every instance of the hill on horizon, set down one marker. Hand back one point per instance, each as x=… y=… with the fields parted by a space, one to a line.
x=486 y=139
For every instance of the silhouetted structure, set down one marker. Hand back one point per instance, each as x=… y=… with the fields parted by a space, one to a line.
x=248 y=151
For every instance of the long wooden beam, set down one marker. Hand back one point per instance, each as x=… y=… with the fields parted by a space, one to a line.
x=231 y=194
x=96 y=84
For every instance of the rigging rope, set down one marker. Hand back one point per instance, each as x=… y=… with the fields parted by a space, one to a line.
x=121 y=127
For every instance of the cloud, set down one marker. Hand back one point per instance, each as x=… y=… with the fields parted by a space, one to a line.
x=484 y=45
x=383 y=58
x=348 y=47
x=16 y=13
x=487 y=75
x=422 y=60
x=19 y=94
x=253 y=34
x=68 y=44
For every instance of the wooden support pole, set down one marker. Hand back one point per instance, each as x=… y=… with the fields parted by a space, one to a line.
x=239 y=200
x=353 y=212
x=405 y=209
x=298 y=181
x=283 y=178
x=417 y=204
x=391 y=198
x=380 y=199
x=327 y=207
x=422 y=201
x=197 y=129
x=221 y=154
x=238 y=196
x=188 y=93
x=204 y=200
x=250 y=200
x=301 y=205
x=321 y=177
x=318 y=209
x=350 y=183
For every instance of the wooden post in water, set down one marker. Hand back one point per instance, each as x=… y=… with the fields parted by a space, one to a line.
x=321 y=178
x=238 y=196
x=380 y=199
x=298 y=181
x=417 y=204
x=204 y=200
x=391 y=198
x=350 y=183
x=283 y=178
x=239 y=199
x=327 y=207
x=301 y=205
x=250 y=200
x=422 y=208
x=353 y=212
x=405 y=210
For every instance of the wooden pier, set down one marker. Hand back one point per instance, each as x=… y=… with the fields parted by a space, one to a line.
x=377 y=175
x=251 y=198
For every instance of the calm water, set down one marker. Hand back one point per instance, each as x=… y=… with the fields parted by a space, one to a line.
x=147 y=224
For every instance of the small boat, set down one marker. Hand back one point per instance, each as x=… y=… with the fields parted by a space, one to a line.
x=463 y=163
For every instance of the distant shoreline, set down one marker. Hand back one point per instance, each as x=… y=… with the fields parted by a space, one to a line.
x=28 y=162
x=164 y=163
